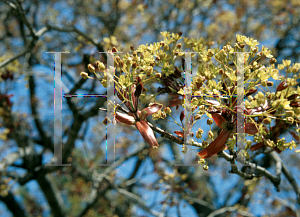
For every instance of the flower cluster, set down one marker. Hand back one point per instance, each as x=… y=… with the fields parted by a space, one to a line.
x=272 y=100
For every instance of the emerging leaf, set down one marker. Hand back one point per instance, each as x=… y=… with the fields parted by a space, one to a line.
x=147 y=133
x=124 y=118
x=216 y=146
x=150 y=110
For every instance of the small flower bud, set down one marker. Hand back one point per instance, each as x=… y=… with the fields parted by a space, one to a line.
x=178 y=45
x=106 y=121
x=272 y=60
x=180 y=33
x=100 y=66
x=149 y=71
x=264 y=83
x=157 y=58
x=204 y=144
x=210 y=134
x=270 y=143
x=201 y=161
x=158 y=75
x=241 y=45
x=114 y=49
x=210 y=53
x=209 y=122
x=290 y=120
x=91 y=68
x=294 y=70
x=104 y=83
x=168 y=110
x=197 y=117
x=134 y=65
x=134 y=53
x=132 y=48
x=290 y=113
x=267 y=121
x=199 y=133
x=269 y=83
x=254 y=49
x=205 y=167
x=221 y=72
x=84 y=75
x=152 y=64
x=129 y=61
x=118 y=59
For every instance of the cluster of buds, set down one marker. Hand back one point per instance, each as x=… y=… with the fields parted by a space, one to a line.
x=199 y=133
x=159 y=114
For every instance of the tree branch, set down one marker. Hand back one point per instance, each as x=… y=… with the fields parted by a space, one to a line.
x=12 y=205
x=34 y=113
x=74 y=29
x=52 y=195
x=258 y=169
x=229 y=209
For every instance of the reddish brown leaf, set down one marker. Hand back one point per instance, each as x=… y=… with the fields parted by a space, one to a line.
x=147 y=133
x=150 y=110
x=295 y=104
x=124 y=118
x=175 y=102
x=250 y=128
x=139 y=87
x=257 y=146
x=134 y=98
x=179 y=133
x=220 y=120
x=216 y=146
x=177 y=73
x=283 y=85
x=292 y=97
x=181 y=116
x=251 y=92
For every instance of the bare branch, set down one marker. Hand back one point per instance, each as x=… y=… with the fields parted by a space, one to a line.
x=75 y=30
x=98 y=177
x=10 y=159
x=167 y=134
x=9 y=60
x=13 y=205
x=229 y=209
x=52 y=195
x=258 y=169
x=26 y=50
x=34 y=113
x=133 y=197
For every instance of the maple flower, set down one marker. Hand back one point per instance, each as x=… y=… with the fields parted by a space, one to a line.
x=136 y=117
